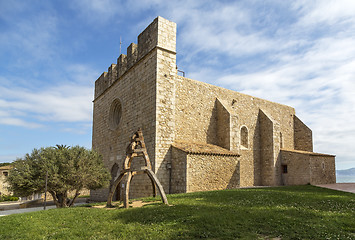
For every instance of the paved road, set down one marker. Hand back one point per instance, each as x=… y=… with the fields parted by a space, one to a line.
x=23 y=210
x=39 y=207
x=345 y=187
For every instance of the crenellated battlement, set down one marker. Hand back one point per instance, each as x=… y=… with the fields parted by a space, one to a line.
x=160 y=33
x=132 y=54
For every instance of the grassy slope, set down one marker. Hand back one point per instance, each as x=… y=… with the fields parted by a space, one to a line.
x=301 y=212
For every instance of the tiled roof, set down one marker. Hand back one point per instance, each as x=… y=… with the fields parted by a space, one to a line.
x=203 y=148
x=308 y=153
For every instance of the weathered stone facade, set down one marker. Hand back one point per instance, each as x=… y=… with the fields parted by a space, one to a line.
x=307 y=168
x=199 y=136
x=202 y=167
x=4 y=173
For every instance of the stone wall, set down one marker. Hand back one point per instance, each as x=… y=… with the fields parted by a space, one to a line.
x=197 y=117
x=226 y=127
x=143 y=82
x=165 y=100
x=303 y=136
x=212 y=172
x=203 y=167
x=322 y=169
x=136 y=90
x=161 y=33
x=178 y=171
x=266 y=132
x=307 y=167
x=298 y=172
x=4 y=171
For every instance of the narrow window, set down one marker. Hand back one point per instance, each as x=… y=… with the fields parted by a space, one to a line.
x=244 y=137
x=284 y=168
x=281 y=141
x=5 y=174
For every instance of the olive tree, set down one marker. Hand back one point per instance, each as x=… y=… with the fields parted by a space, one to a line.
x=70 y=169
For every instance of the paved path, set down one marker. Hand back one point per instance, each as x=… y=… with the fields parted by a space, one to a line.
x=13 y=207
x=345 y=187
x=23 y=210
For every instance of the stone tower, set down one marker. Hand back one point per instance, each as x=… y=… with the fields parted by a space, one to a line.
x=136 y=92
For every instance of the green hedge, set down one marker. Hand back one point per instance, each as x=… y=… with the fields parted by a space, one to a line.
x=4 y=198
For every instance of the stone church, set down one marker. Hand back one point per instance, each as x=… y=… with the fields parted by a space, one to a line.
x=199 y=137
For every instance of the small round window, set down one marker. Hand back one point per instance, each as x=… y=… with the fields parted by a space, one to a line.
x=115 y=114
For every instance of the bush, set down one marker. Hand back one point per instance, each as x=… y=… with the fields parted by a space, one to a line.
x=69 y=169
x=4 y=198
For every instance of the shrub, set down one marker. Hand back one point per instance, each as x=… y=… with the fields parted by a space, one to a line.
x=4 y=198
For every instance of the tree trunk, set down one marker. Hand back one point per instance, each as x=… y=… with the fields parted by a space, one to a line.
x=60 y=199
x=54 y=196
x=77 y=193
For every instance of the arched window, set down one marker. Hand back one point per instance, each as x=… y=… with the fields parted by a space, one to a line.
x=114 y=174
x=244 y=137
x=115 y=114
x=114 y=171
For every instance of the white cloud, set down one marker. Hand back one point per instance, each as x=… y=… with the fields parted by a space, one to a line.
x=19 y=122
x=310 y=64
x=326 y=12
x=219 y=29
x=67 y=103
x=37 y=88
x=69 y=100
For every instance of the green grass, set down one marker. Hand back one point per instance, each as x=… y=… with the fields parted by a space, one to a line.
x=84 y=196
x=299 y=212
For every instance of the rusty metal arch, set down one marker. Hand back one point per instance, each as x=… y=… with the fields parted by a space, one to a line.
x=136 y=148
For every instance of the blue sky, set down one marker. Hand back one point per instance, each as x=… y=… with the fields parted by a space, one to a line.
x=299 y=53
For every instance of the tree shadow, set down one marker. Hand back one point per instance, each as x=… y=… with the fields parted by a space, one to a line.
x=232 y=214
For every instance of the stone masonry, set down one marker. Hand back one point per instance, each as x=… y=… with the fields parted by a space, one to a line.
x=198 y=136
x=4 y=173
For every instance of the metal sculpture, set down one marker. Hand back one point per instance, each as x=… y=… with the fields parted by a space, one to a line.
x=136 y=148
